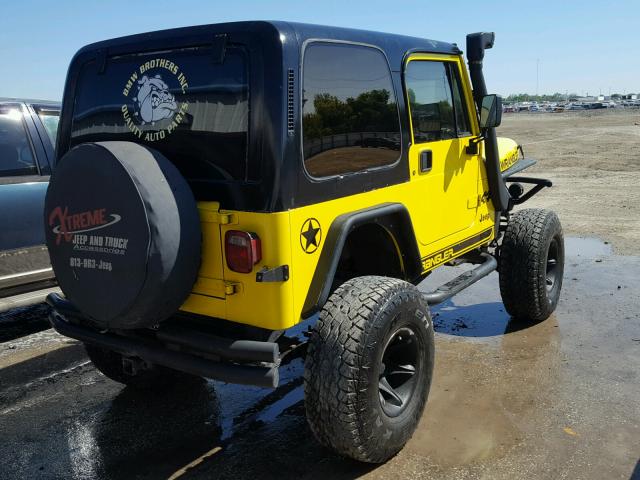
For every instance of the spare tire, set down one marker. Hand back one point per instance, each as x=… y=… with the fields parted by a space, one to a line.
x=123 y=232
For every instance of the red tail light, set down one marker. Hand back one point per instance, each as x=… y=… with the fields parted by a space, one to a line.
x=242 y=249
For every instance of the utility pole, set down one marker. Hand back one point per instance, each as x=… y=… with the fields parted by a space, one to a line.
x=537 y=75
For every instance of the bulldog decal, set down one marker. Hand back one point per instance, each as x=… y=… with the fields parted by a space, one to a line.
x=149 y=101
x=154 y=101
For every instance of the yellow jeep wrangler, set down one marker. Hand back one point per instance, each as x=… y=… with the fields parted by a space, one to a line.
x=217 y=185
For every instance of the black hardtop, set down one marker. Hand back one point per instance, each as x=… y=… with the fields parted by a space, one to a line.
x=276 y=53
x=395 y=46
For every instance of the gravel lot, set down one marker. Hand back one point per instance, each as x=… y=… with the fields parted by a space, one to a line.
x=593 y=159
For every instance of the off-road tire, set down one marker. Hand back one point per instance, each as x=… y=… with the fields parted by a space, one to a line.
x=533 y=237
x=343 y=366
x=156 y=377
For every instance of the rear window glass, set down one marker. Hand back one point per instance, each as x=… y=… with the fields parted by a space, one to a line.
x=16 y=154
x=350 y=116
x=180 y=102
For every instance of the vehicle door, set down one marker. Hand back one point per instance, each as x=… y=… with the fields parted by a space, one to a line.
x=23 y=184
x=444 y=174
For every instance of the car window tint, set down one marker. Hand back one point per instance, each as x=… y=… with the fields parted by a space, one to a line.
x=50 y=121
x=430 y=100
x=16 y=154
x=350 y=116
x=460 y=107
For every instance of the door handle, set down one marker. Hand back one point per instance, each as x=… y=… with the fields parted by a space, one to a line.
x=426 y=161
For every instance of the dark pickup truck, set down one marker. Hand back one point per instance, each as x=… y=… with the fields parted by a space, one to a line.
x=27 y=137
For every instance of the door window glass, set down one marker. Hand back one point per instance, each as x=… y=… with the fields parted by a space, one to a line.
x=459 y=105
x=16 y=154
x=50 y=120
x=430 y=101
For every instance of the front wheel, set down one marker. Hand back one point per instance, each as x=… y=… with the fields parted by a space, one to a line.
x=368 y=368
x=531 y=264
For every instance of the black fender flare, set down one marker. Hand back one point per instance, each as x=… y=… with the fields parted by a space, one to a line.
x=393 y=217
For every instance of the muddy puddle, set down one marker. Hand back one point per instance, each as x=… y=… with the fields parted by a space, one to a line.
x=501 y=385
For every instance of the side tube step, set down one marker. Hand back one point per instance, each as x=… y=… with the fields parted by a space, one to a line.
x=452 y=287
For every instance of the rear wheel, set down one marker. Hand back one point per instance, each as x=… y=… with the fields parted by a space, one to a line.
x=531 y=264
x=135 y=373
x=368 y=368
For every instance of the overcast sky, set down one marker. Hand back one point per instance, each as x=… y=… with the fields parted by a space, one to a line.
x=582 y=46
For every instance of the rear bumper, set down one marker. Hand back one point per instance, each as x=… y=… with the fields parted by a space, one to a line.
x=233 y=361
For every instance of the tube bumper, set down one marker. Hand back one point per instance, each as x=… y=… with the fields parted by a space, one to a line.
x=189 y=350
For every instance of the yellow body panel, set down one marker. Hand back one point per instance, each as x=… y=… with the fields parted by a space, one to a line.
x=508 y=152
x=237 y=296
x=449 y=206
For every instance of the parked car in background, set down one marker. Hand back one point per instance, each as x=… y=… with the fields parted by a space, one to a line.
x=28 y=131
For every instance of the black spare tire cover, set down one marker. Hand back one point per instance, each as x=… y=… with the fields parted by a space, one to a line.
x=123 y=233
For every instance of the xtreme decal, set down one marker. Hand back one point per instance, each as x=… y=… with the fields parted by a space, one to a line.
x=65 y=225
x=71 y=229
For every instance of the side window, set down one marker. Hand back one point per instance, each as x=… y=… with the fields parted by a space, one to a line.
x=50 y=120
x=430 y=101
x=459 y=104
x=436 y=101
x=16 y=154
x=350 y=117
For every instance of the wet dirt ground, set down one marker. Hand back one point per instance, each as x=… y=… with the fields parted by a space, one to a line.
x=557 y=399
x=593 y=159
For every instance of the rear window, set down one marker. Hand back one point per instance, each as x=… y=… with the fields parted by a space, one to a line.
x=350 y=116
x=181 y=102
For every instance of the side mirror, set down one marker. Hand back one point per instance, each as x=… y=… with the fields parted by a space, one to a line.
x=491 y=111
